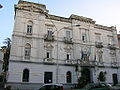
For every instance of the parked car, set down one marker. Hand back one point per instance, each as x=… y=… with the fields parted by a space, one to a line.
x=96 y=86
x=116 y=87
x=51 y=87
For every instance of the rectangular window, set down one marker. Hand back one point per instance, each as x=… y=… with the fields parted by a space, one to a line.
x=68 y=56
x=29 y=29
x=49 y=33
x=49 y=54
x=83 y=38
x=84 y=35
x=68 y=34
x=98 y=38
x=110 y=40
x=27 y=53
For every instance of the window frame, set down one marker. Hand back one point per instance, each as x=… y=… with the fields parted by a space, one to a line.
x=69 y=77
x=26 y=75
x=27 y=51
x=29 y=28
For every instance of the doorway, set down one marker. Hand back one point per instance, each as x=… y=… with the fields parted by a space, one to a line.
x=115 y=79
x=48 y=77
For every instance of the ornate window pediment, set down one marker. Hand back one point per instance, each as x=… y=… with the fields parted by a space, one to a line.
x=49 y=46
x=68 y=48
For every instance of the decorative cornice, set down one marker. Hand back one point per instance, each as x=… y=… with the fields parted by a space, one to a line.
x=40 y=8
x=30 y=6
x=58 y=18
x=51 y=25
x=104 y=27
x=81 y=18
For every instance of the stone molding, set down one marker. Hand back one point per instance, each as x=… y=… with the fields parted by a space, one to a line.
x=58 y=18
x=30 y=6
x=104 y=27
x=40 y=8
x=81 y=18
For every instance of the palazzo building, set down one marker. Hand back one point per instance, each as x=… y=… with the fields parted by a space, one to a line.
x=47 y=48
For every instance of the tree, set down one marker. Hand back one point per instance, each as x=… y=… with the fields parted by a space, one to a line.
x=6 y=50
x=101 y=76
x=85 y=77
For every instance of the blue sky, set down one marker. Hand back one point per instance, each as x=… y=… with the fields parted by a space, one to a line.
x=104 y=12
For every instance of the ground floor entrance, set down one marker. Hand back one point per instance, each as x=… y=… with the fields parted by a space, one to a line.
x=48 y=77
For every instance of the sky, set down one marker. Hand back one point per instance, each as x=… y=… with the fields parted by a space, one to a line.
x=104 y=12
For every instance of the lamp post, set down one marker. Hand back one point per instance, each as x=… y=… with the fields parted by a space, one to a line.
x=57 y=66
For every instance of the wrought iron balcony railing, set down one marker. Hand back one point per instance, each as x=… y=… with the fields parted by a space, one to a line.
x=111 y=46
x=68 y=40
x=99 y=44
x=49 y=37
x=48 y=60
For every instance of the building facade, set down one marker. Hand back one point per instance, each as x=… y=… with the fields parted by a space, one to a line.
x=47 y=48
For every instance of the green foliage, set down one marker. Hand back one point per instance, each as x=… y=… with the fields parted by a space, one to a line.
x=1 y=78
x=6 y=50
x=8 y=88
x=85 y=78
x=101 y=76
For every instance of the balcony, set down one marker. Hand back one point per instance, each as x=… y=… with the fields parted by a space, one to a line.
x=111 y=46
x=84 y=63
x=98 y=44
x=114 y=64
x=49 y=37
x=101 y=64
x=72 y=62
x=28 y=35
x=48 y=60
x=68 y=40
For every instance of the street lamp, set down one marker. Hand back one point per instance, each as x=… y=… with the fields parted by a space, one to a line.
x=57 y=67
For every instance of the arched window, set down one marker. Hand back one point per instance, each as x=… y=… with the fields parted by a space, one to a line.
x=68 y=77
x=25 y=75
x=27 y=51
x=29 y=27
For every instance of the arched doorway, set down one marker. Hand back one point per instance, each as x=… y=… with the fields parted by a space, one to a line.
x=25 y=75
